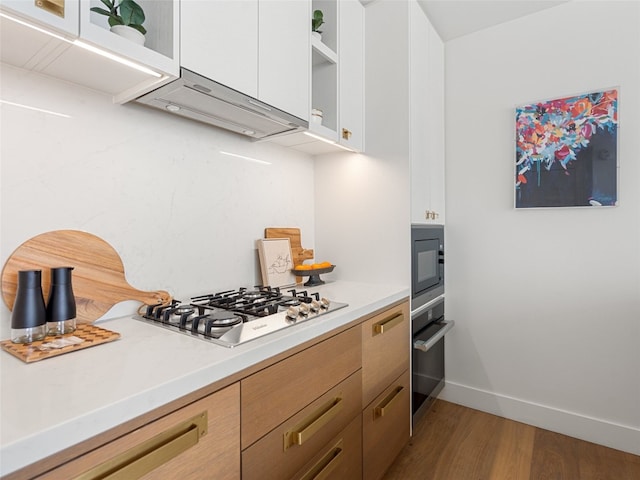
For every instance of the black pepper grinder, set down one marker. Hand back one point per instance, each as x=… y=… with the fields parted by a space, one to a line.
x=29 y=313
x=61 y=306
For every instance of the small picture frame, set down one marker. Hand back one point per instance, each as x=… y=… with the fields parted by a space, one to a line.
x=276 y=262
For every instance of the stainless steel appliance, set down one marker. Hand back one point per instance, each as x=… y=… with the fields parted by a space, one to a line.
x=234 y=317
x=427 y=264
x=428 y=323
x=427 y=371
x=202 y=99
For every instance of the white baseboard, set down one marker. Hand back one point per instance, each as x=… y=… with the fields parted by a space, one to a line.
x=619 y=437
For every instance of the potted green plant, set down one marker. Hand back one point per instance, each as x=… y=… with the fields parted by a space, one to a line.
x=316 y=21
x=125 y=18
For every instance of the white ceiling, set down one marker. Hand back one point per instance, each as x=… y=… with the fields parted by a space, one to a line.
x=455 y=18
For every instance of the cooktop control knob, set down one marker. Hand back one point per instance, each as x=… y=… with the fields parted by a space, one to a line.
x=324 y=303
x=304 y=309
x=293 y=312
x=315 y=305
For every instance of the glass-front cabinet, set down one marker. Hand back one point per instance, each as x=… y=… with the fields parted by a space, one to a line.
x=336 y=109
x=74 y=42
x=60 y=15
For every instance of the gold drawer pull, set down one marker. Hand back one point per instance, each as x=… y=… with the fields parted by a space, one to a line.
x=379 y=411
x=52 y=6
x=310 y=426
x=148 y=455
x=326 y=465
x=388 y=324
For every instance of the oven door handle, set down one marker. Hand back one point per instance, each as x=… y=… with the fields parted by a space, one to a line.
x=425 y=344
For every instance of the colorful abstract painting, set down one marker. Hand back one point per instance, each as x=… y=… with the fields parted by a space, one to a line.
x=566 y=152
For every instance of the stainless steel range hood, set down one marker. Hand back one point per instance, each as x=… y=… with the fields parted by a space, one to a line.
x=199 y=98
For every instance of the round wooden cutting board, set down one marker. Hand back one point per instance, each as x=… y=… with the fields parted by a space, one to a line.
x=98 y=276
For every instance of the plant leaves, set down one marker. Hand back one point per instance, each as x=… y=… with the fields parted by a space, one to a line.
x=131 y=13
x=113 y=20
x=101 y=11
x=140 y=28
x=110 y=5
x=317 y=20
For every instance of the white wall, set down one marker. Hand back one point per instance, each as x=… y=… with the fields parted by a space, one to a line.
x=183 y=217
x=362 y=200
x=546 y=301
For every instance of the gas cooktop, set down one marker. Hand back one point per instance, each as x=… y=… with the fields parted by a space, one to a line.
x=234 y=317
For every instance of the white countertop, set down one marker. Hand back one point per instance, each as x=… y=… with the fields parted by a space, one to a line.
x=55 y=403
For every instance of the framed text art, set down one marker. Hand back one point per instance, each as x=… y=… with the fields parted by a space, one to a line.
x=566 y=152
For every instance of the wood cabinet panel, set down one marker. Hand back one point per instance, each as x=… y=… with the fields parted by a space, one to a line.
x=292 y=396
x=277 y=456
x=271 y=396
x=385 y=350
x=340 y=459
x=216 y=454
x=385 y=427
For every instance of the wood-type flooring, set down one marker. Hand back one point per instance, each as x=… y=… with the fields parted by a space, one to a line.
x=452 y=442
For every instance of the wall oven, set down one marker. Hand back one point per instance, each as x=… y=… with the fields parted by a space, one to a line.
x=428 y=328
x=428 y=324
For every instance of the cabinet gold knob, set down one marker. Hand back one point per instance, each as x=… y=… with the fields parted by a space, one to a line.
x=346 y=134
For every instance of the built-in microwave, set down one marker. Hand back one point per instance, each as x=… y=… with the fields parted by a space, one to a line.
x=427 y=264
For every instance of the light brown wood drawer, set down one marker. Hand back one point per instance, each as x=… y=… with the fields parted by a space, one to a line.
x=287 y=448
x=271 y=396
x=215 y=455
x=385 y=350
x=385 y=427
x=340 y=459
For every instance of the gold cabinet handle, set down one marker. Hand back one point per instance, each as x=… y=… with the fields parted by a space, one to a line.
x=388 y=324
x=327 y=464
x=379 y=411
x=147 y=456
x=52 y=6
x=346 y=134
x=306 y=429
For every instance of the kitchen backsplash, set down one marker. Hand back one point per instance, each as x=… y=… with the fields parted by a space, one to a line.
x=163 y=191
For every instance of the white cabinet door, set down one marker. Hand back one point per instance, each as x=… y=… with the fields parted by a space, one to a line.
x=60 y=15
x=420 y=174
x=435 y=106
x=427 y=119
x=284 y=55
x=351 y=68
x=219 y=39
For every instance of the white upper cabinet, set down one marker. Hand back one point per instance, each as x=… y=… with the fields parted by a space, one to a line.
x=283 y=55
x=258 y=47
x=426 y=119
x=60 y=15
x=219 y=40
x=79 y=46
x=160 y=51
x=351 y=68
x=337 y=81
